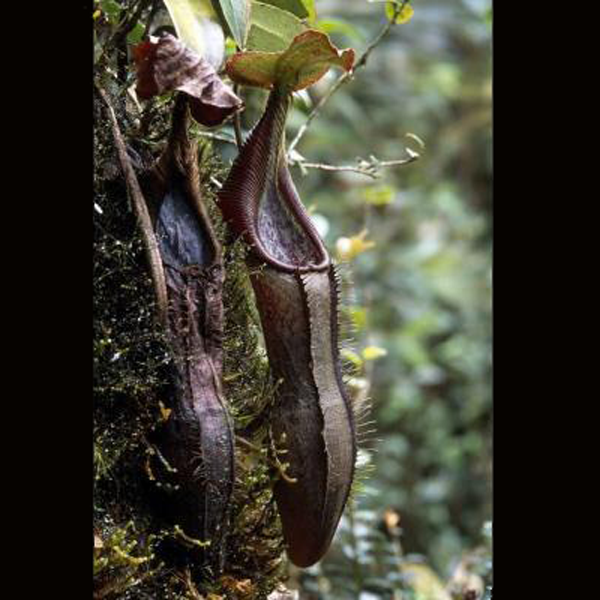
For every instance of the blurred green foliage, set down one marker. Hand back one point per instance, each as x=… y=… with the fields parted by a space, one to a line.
x=419 y=242
x=426 y=284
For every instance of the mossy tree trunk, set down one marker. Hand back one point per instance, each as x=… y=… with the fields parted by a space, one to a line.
x=141 y=550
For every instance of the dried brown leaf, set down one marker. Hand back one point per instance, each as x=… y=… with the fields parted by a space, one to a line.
x=168 y=65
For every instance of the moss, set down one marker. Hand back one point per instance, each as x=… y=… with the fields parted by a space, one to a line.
x=139 y=552
x=121 y=560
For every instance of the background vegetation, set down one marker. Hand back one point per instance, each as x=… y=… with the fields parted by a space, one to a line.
x=425 y=285
x=420 y=299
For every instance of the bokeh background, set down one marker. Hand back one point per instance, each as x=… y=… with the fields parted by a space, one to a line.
x=415 y=247
x=421 y=295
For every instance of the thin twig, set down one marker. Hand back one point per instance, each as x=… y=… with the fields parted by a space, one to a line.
x=361 y=62
x=178 y=532
x=216 y=182
x=141 y=209
x=186 y=578
x=215 y=136
x=369 y=168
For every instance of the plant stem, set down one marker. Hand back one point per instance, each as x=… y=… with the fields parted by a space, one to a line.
x=367 y=168
x=361 y=62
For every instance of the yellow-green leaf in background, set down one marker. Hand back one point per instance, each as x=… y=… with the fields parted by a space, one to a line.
x=309 y=5
x=271 y=28
x=230 y=46
x=405 y=14
x=312 y=11
x=352 y=357
x=358 y=315
x=424 y=582
x=303 y=9
x=193 y=23
x=349 y=248
x=235 y=15
x=135 y=35
x=186 y=16
x=373 y=352
x=111 y=9
x=379 y=195
x=341 y=27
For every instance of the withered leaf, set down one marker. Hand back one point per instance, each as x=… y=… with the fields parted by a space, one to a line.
x=168 y=65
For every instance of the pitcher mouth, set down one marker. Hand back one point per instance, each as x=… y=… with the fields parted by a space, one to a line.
x=260 y=201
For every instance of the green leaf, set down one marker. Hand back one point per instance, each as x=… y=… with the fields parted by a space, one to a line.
x=340 y=26
x=236 y=16
x=488 y=16
x=303 y=9
x=272 y=29
x=309 y=56
x=111 y=9
x=230 y=46
x=373 y=352
x=379 y=195
x=352 y=357
x=135 y=35
x=295 y=7
x=405 y=14
x=192 y=21
x=358 y=315
x=309 y=5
